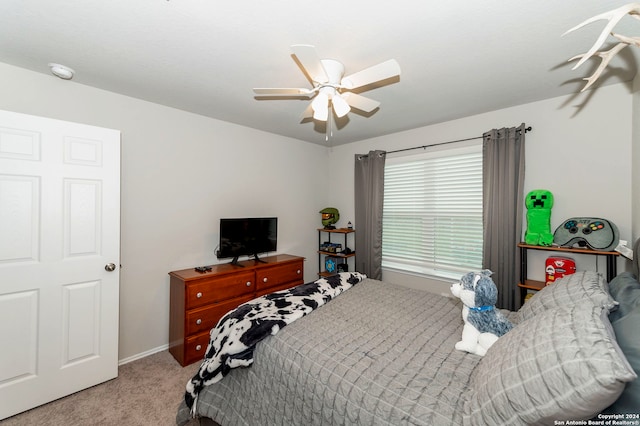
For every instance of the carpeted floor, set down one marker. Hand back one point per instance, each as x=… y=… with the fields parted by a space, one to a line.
x=146 y=392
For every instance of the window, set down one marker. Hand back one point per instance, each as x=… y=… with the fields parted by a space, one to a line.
x=432 y=214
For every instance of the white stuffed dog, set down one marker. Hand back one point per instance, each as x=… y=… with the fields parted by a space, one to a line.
x=483 y=323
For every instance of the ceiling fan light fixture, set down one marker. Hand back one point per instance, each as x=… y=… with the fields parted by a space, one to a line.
x=332 y=90
x=321 y=115
x=320 y=106
x=340 y=106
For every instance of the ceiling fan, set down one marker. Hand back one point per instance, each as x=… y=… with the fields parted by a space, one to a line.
x=331 y=89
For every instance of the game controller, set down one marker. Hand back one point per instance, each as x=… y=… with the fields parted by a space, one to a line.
x=595 y=233
x=203 y=269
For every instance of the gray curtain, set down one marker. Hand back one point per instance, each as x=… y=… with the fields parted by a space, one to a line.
x=636 y=259
x=503 y=182
x=369 y=197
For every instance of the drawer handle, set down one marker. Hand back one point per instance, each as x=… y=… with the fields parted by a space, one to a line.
x=198 y=321
x=199 y=295
x=298 y=272
x=198 y=347
x=264 y=280
x=248 y=283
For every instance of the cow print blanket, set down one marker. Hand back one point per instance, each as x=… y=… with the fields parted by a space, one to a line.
x=235 y=336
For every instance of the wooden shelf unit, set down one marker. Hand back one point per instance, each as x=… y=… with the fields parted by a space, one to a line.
x=527 y=284
x=324 y=254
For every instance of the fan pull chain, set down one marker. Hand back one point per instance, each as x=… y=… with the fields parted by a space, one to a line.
x=328 y=129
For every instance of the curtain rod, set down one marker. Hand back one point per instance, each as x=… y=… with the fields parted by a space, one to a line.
x=528 y=129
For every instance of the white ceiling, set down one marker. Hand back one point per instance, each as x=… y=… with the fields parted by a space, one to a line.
x=458 y=58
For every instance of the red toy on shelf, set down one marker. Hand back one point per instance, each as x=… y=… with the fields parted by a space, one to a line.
x=557 y=267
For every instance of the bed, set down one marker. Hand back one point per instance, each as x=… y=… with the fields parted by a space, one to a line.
x=382 y=354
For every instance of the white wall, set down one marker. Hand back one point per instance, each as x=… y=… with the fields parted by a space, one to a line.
x=582 y=155
x=181 y=172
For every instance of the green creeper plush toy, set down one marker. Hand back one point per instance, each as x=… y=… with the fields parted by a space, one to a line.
x=538 y=203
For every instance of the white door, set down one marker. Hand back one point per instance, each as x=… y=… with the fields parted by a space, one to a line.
x=59 y=235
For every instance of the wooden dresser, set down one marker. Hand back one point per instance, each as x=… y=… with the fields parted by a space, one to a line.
x=199 y=300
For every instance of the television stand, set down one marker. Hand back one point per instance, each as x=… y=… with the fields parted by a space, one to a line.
x=257 y=259
x=199 y=300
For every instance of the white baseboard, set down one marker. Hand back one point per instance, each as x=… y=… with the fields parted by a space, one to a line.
x=143 y=354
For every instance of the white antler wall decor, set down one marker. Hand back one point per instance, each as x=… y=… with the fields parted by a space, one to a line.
x=613 y=16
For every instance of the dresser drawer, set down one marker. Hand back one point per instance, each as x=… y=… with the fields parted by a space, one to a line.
x=205 y=318
x=278 y=275
x=278 y=287
x=195 y=347
x=207 y=291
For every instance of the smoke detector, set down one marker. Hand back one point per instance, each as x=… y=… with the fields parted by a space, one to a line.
x=61 y=71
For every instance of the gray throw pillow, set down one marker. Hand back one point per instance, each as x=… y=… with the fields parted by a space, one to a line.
x=577 y=288
x=560 y=364
x=625 y=289
x=625 y=320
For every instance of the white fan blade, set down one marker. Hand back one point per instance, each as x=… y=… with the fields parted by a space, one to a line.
x=382 y=71
x=310 y=61
x=360 y=102
x=282 y=91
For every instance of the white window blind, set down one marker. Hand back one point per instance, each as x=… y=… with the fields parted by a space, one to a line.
x=432 y=215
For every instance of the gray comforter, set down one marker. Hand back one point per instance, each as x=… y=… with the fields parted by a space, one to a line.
x=379 y=354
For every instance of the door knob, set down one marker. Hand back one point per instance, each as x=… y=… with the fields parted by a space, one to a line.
x=110 y=267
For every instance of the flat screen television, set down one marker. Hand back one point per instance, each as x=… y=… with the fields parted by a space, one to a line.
x=247 y=237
